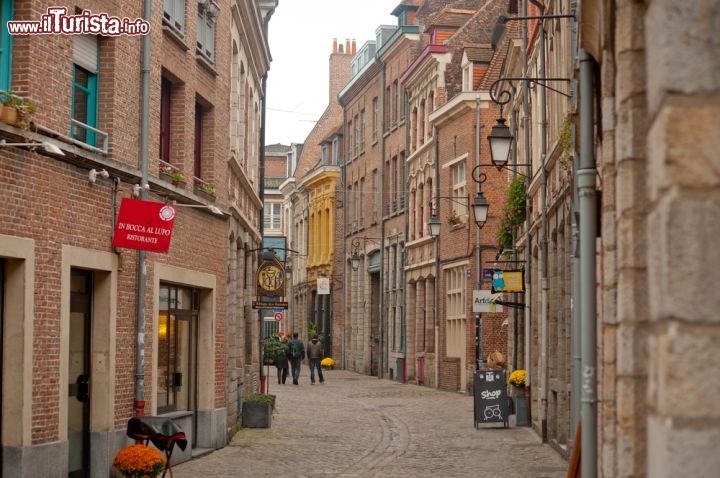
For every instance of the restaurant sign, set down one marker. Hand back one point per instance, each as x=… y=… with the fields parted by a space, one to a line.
x=270 y=278
x=144 y=225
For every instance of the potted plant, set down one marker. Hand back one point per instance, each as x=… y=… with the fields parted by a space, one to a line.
x=453 y=218
x=327 y=363
x=272 y=349
x=518 y=379
x=204 y=188
x=170 y=173
x=16 y=111
x=257 y=410
x=139 y=461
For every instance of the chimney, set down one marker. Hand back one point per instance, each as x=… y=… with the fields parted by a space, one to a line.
x=353 y=47
x=334 y=45
x=347 y=46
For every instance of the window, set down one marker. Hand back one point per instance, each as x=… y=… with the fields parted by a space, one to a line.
x=455 y=310
x=166 y=89
x=459 y=186
x=356 y=135
x=84 y=88
x=335 y=151
x=394 y=166
x=207 y=17
x=324 y=154
x=174 y=15
x=350 y=208
x=375 y=198
x=197 y=153
x=395 y=102
x=6 y=14
x=271 y=213
x=375 y=119
x=349 y=149
x=177 y=349
x=362 y=202
x=362 y=130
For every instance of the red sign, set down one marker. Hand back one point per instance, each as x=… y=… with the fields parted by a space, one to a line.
x=144 y=225
x=278 y=316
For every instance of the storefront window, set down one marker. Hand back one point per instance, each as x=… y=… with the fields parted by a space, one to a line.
x=177 y=348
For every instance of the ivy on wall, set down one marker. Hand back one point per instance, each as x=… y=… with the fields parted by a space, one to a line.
x=513 y=213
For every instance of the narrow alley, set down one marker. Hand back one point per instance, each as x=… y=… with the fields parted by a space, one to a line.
x=359 y=426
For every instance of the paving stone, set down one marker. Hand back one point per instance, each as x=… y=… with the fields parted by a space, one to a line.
x=355 y=426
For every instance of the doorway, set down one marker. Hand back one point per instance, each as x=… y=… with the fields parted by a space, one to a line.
x=79 y=373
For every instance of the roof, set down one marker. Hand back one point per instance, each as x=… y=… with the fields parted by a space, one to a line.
x=278 y=148
x=451 y=17
x=479 y=53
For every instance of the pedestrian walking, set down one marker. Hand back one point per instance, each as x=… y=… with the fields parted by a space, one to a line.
x=296 y=353
x=315 y=352
x=281 y=361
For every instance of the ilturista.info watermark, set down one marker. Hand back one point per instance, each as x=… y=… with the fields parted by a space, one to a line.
x=57 y=22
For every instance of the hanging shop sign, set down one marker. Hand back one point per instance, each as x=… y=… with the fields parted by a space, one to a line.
x=323 y=285
x=508 y=281
x=270 y=278
x=144 y=225
x=485 y=301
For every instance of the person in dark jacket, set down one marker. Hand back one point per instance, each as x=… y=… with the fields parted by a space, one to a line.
x=315 y=352
x=296 y=353
x=281 y=361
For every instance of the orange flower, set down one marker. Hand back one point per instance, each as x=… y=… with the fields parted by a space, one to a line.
x=139 y=461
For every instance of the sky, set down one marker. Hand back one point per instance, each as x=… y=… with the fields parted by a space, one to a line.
x=301 y=36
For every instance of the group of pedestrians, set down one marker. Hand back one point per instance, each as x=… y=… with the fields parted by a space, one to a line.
x=295 y=354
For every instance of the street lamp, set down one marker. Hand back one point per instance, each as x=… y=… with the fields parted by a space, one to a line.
x=434 y=225
x=480 y=207
x=500 y=140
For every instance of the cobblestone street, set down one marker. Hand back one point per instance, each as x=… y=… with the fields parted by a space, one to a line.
x=359 y=426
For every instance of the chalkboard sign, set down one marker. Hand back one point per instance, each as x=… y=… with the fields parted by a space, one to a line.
x=491 y=402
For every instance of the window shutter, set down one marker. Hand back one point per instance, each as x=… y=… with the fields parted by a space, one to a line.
x=85 y=53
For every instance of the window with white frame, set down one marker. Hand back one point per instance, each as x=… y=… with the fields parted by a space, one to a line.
x=207 y=18
x=375 y=119
x=335 y=150
x=456 y=282
x=459 y=187
x=272 y=217
x=174 y=15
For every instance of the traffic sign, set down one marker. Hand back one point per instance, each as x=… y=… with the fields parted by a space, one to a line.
x=278 y=316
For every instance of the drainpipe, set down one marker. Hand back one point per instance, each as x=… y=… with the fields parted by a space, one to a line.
x=478 y=250
x=588 y=232
x=346 y=289
x=544 y=371
x=139 y=403
x=527 y=362
x=381 y=301
x=437 y=261
x=575 y=374
x=261 y=193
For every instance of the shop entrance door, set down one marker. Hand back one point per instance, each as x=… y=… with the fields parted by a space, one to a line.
x=79 y=374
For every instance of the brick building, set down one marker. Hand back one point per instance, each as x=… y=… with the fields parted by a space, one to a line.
x=94 y=334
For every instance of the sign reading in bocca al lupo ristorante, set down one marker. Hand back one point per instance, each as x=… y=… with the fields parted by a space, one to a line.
x=144 y=225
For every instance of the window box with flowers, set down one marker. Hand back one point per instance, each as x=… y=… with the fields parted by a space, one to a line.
x=171 y=174
x=453 y=219
x=204 y=189
x=139 y=461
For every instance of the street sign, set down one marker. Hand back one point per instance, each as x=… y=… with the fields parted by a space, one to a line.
x=484 y=301
x=278 y=316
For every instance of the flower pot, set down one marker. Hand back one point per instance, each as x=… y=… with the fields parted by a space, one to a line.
x=9 y=114
x=204 y=194
x=256 y=415
x=520 y=403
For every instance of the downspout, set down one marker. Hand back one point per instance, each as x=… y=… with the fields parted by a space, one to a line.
x=381 y=301
x=575 y=374
x=346 y=289
x=588 y=232
x=543 y=235
x=139 y=403
x=478 y=250
x=437 y=262
x=261 y=194
x=527 y=362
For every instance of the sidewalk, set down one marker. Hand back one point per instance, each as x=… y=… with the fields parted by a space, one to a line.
x=361 y=427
